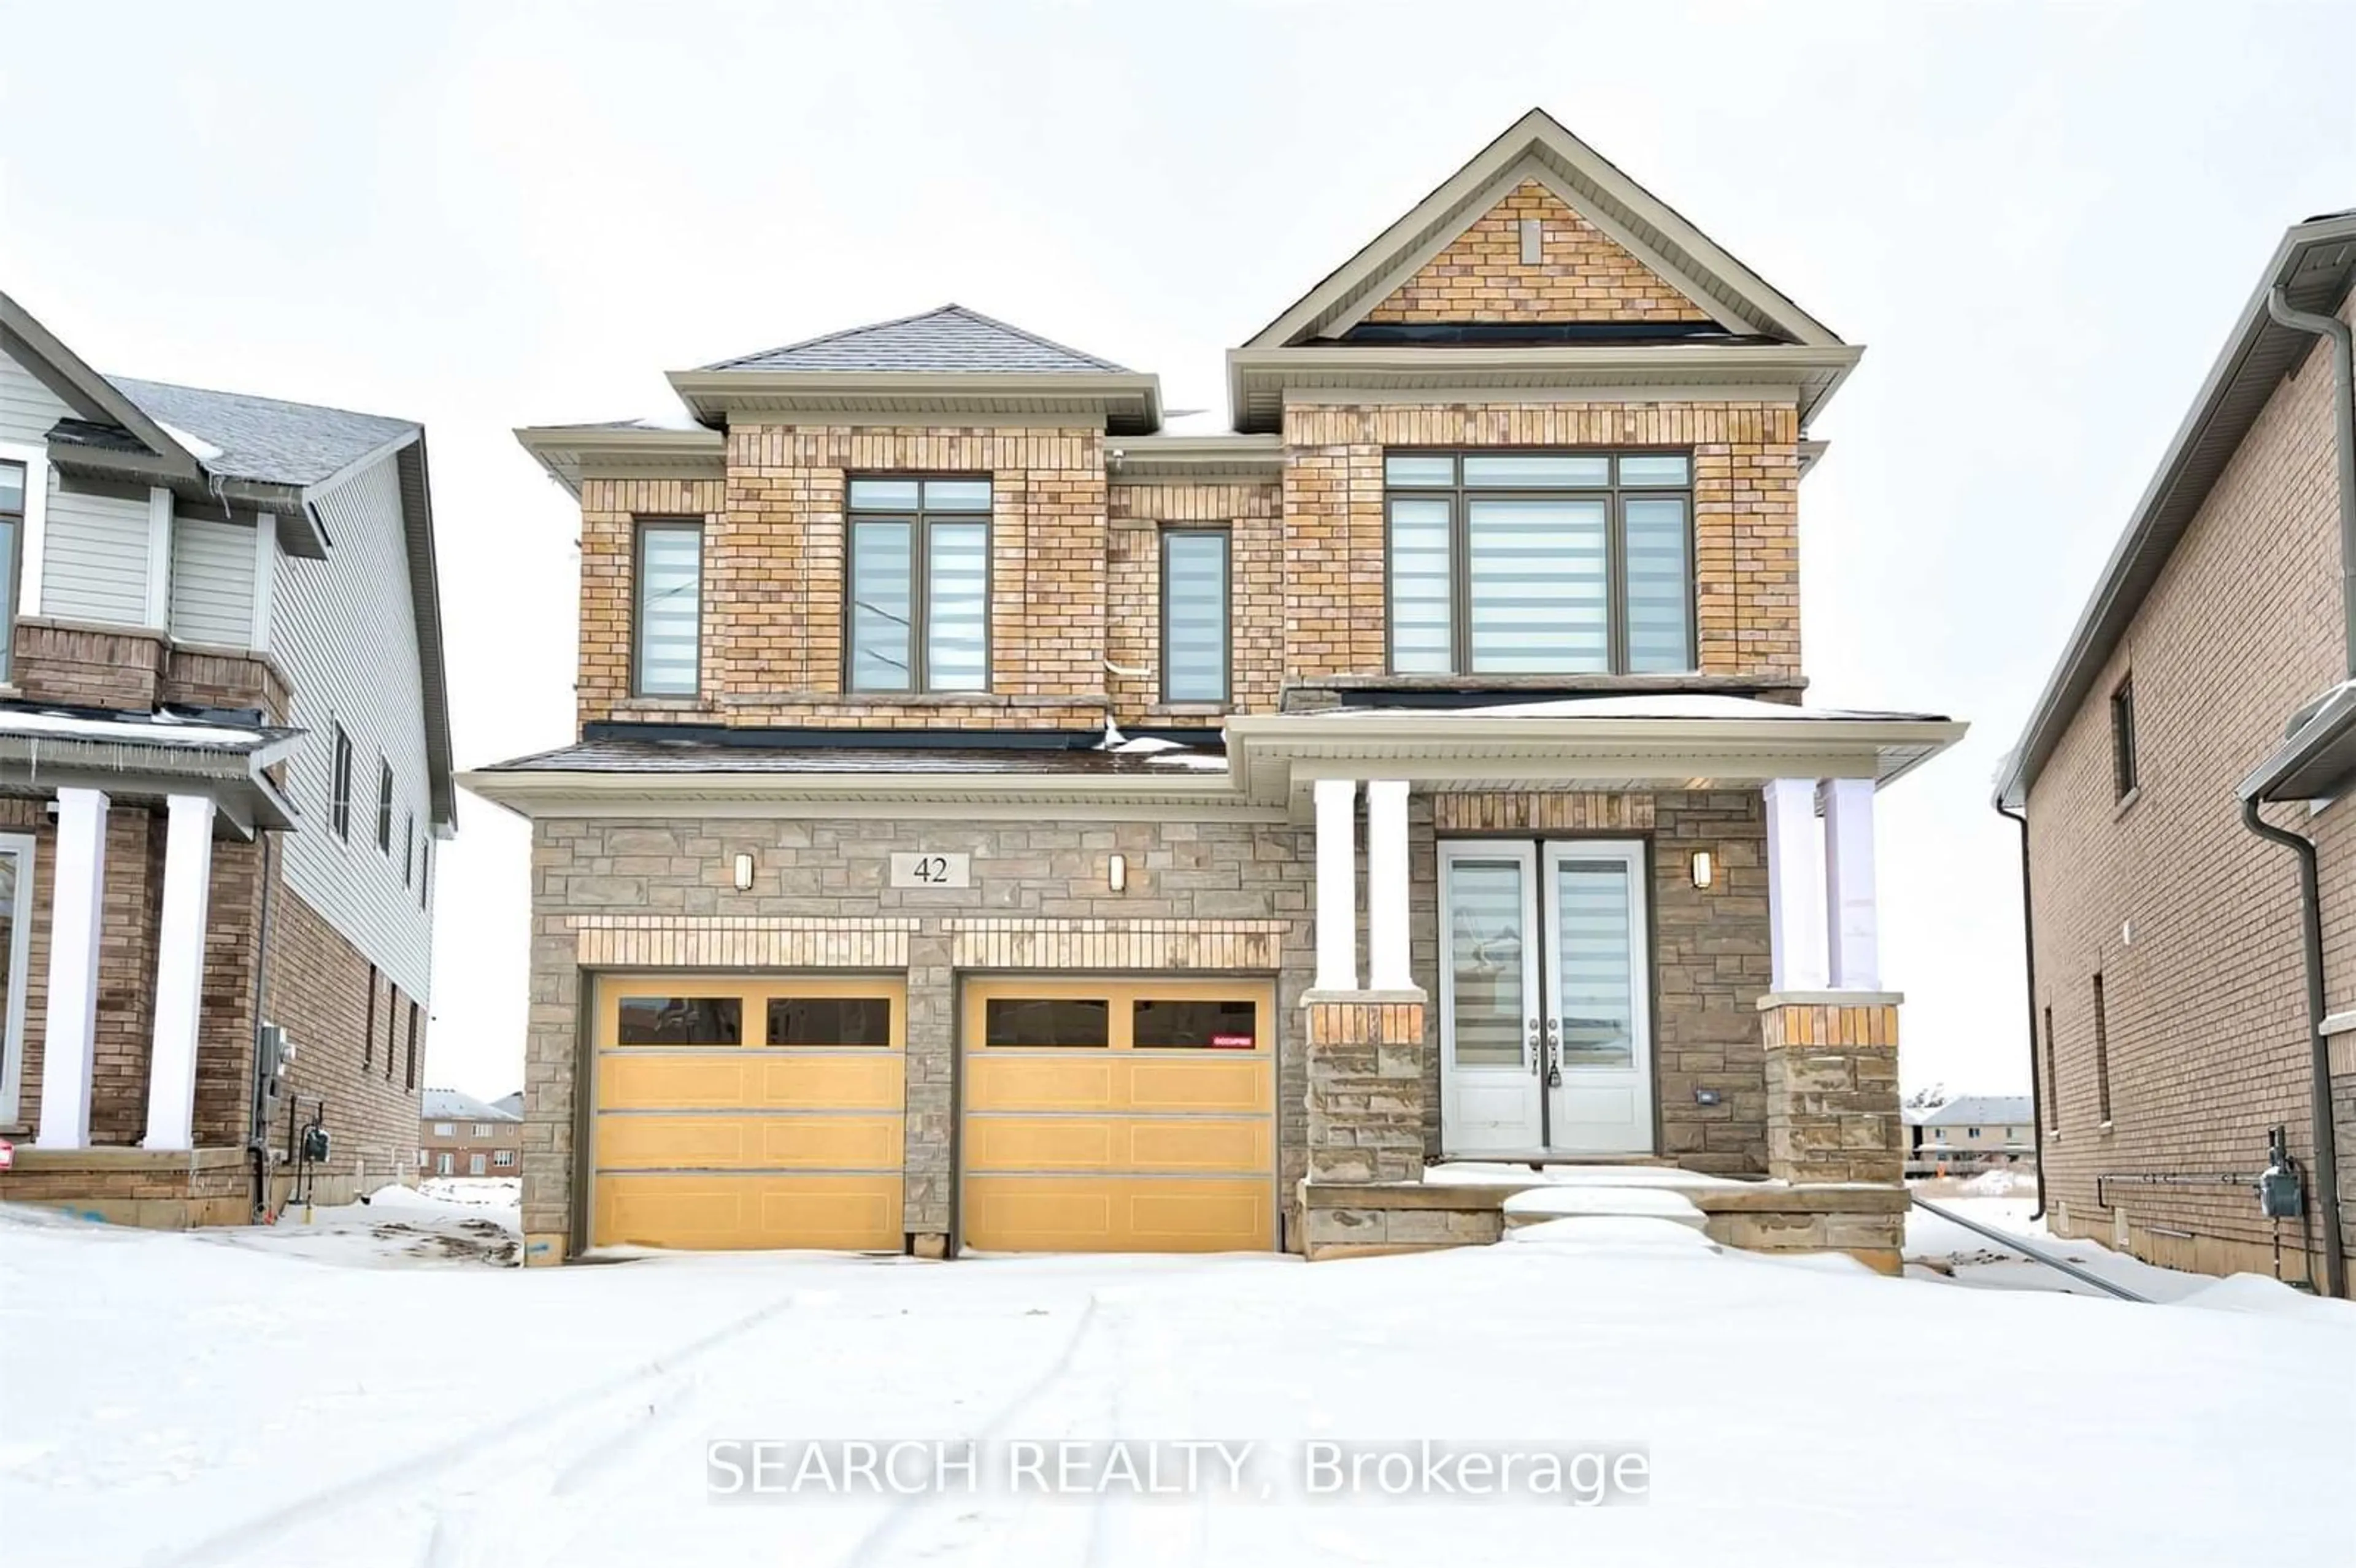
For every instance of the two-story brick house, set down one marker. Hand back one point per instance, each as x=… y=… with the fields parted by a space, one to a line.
x=963 y=844
x=458 y=1135
x=224 y=761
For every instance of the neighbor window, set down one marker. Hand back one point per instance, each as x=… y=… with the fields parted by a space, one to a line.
x=474 y=1164
x=503 y=1157
x=1540 y=562
x=384 y=805
x=409 y=851
x=340 y=791
x=2102 y=1054
x=918 y=585
x=482 y=1129
x=409 y=1072
x=368 y=1039
x=445 y=1129
x=12 y=529
x=2052 y=1076
x=663 y=659
x=2122 y=739
x=425 y=870
x=1194 y=616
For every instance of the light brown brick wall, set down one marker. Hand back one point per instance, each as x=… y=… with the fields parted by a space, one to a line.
x=2206 y=1026
x=1252 y=516
x=1583 y=273
x=1746 y=517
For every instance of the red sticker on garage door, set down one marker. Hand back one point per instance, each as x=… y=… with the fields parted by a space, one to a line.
x=1231 y=1042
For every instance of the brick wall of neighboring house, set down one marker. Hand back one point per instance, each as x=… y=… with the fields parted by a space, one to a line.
x=2191 y=921
x=1196 y=877
x=1252 y=514
x=461 y=1145
x=349 y=1025
x=1583 y=275
x=1746 y=517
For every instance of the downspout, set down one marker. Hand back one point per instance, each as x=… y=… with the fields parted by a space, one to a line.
x=2327 y=1157
x=2029 y=966
x=2310 y=922
x=258 y=1140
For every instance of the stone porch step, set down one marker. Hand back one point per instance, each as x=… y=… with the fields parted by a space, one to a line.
x=1543 y=1205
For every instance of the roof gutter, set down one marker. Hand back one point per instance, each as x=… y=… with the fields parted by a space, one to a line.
x=2343 y=362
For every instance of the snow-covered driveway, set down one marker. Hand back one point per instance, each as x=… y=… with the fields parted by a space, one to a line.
x=172 y=1399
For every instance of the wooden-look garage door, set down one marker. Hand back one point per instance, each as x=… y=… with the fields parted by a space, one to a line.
x=1130 y=1115
x=747 y=1113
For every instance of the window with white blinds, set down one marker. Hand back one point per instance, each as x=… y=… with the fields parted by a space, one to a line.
x=1193 y=615
x=1540 y=562
x=1597 y=986
x=669 y=609
x=919 y=617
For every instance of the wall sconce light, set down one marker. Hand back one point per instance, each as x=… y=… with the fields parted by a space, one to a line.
x=744 y=873
x=1704 y=867
x=1117 y=874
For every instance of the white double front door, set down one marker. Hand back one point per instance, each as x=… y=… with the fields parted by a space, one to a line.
x=1544 y=986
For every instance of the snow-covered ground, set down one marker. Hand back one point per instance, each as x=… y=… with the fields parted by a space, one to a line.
x=326 y=1393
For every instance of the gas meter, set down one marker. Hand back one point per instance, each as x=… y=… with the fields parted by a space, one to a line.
x=2281 y=1192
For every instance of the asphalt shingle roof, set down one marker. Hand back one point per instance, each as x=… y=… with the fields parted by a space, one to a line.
x=1981 y=1110
x=456 y=1105
x=950 y=339
x=264 y=438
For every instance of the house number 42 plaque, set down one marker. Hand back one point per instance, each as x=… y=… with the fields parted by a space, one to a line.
x=927 y=870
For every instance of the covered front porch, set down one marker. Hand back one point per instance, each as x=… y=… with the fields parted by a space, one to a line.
x=1629 y=934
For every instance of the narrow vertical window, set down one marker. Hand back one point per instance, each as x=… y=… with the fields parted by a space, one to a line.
x=2102 y=1054
x=367 y=1035
x=12 y=530
x=1193 y=615
x=424 y=871
x=2123 y=739
x=409 y=1074
x=15 y=946
x=918 y=615
x=384 y=805
x=409 y=851
x=340 y=791
x=664 y=658
x=2052 y=1077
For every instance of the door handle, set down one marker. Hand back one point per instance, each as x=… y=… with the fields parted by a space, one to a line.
x=1538 y=1057
x=1554 y=1053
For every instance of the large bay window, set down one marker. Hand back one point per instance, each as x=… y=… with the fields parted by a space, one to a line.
x=1507 y=562
x=918 y=585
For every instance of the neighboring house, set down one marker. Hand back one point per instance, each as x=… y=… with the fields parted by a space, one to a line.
x=962 y=846
x=458 y=1135
x=224 y=763
x=2197 y=737
x=1970 y=1133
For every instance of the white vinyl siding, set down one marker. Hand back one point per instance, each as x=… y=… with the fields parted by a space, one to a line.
x=212 y=583
x=344 y=631
x=28 y=406
x=95 y=563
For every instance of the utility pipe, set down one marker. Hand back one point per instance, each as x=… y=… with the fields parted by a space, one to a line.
x=2029 y=964
x=2327 y=1161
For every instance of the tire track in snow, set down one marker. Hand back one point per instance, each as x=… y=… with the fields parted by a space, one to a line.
x=413 y=1475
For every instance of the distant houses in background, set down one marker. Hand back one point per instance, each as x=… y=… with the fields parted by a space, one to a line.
x=1969 y=1134
x=458 y=1135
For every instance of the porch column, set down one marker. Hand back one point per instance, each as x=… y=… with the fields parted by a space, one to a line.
x=69 y=1034
x=1795 y=884
x=1337 y=884
x=1386 y=889
x=1850 y=921
x=180 y=973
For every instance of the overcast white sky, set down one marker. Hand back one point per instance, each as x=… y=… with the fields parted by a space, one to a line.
x=2040 y=218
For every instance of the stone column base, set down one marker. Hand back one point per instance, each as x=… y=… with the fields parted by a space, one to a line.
x=1832 y=1086
x=1365 y=1085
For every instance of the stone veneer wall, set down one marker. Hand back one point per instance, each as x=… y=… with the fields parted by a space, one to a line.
x=1746 y=517
x=1832 y=1091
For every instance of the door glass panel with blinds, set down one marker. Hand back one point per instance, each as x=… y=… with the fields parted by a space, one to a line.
x=918 y=617
x=1517 y=562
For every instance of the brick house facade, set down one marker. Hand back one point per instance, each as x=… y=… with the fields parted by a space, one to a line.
x=214 y=589
x=459 y=1135
x=2172 y=1033
x=1068 y=949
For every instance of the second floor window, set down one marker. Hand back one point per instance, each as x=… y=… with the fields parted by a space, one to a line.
x=339 y=792
x=663 y=654
x=2122 y=739
x=384 y=805
x=1193 y=615
x=917 y=616
x=12 y=525
x=1507 y=562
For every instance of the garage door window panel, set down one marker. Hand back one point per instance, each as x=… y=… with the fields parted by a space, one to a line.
x=1194 y=1023
x=830 y=1021
x=1048 y=1022
x=679 y=1021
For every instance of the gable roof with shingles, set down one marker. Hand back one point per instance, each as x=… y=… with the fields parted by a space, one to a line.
x=949 y=340
x=266 y=438
x=456 y=1105
x=1980 y=1110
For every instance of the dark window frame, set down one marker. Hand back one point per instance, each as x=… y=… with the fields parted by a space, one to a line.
x=409 y=1077
x=425 y=873
x=919 y=519
x=2125 y=773
x=384 y=797
x=640 y=529
x=1613 y=494
x=409 y=852
x=2052 y=1077
x=339 y=786
x=1225 y=536
x=2102 y=1051
x=14 y=585
x=368 y=1035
